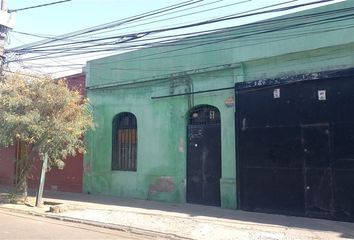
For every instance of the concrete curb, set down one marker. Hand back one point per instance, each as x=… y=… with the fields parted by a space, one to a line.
x=134 y=230
x=123 y=228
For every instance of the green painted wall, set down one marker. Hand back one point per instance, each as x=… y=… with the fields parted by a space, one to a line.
x=161 y=138
x=127 y=83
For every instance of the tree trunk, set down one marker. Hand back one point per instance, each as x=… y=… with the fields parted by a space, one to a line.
x=24 y=162
x=21 y=186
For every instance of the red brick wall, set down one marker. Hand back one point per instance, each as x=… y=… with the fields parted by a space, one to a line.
x=76 y=82
x=67 y=180
x=7 y=166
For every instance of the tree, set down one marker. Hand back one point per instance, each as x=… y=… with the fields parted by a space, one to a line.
x=44 y=117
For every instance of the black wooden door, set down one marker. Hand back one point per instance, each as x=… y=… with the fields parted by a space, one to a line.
x=204 y=162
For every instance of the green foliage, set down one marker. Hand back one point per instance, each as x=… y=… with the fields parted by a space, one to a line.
x=45 y=116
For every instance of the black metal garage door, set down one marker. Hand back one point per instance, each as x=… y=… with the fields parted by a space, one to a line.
x=295 y=144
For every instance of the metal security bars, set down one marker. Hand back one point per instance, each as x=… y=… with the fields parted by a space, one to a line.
x=124 y=142
x=204 y=115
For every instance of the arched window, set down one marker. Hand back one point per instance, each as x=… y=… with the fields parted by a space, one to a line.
x=124 y=142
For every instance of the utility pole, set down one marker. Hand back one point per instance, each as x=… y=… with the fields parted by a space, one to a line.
x=6 y=23
x=41 y=181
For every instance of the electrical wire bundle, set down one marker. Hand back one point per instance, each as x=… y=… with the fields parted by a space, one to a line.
x=133 y=33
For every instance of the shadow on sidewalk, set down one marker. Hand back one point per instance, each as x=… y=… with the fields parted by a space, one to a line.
x=346 y=229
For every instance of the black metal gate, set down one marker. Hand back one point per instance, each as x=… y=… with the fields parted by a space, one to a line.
x=204 y=156
x=295 y=144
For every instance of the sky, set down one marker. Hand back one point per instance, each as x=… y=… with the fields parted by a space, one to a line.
x=76 y=15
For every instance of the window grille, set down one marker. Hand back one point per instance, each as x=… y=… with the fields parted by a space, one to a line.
x=203 y=115
x=124 y=144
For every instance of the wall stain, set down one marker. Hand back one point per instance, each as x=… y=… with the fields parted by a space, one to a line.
x=161 y=184
x=181 y=146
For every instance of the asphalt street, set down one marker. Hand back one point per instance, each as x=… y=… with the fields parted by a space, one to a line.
x=19 y=226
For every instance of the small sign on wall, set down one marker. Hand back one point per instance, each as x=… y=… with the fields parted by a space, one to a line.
x=276 y=93
x=321 y=95
x=230 y=101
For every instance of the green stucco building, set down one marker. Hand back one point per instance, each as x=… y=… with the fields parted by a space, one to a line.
x=148 y=103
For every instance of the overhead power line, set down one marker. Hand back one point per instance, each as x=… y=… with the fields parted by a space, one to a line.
x=170 y=16
x=130 y=38
x=37 y=6
x=134 y=36
x=93 y=39
x=111 y=24
x=226 y=35
x=247 y=31
x=138 y=40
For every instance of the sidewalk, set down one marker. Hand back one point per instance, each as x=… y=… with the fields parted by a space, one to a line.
x=182 y=221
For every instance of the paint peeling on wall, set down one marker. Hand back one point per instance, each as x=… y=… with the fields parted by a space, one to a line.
x=88 y=168
x=181 y=146
x=161 y=184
